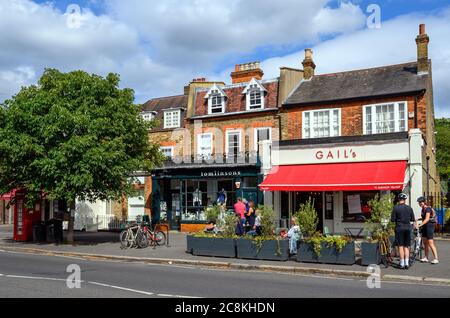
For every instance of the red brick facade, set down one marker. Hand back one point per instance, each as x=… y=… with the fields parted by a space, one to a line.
x=352 y=115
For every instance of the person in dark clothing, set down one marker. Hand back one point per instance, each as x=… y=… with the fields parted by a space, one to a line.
x=403 y=215
x=427 y=230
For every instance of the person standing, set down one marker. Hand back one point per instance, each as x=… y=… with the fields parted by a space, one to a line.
x=402 y=216
x=427 y=230
x=239 y=209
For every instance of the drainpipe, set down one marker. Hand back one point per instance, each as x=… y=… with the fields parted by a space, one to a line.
x=415 y=113
x=428 y=176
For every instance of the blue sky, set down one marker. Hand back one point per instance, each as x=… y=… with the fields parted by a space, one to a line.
x=159 y=46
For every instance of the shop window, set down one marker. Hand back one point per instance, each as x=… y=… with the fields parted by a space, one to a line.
x=321 y=123
x=356 y=205
x=385 y=118
x=250 y=182
x=329 y=206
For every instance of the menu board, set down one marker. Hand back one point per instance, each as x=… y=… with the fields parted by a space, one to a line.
x=354 y=204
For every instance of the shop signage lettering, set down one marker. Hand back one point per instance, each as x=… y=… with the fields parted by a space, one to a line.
x=336 y=154
x=221 y=174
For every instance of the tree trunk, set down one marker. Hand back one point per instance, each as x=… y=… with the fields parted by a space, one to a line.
x=70 y=228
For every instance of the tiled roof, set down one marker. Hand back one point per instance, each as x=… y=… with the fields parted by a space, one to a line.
x=159 y=105
x=236 y=101
x=373 y=82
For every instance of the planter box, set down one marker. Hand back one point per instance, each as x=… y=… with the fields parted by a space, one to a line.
x=248 y=250
x=328 y=255
x=211 y=246
x=370 y=254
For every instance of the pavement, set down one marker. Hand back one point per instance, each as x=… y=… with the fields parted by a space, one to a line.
x=24 y=275
x=106 y=246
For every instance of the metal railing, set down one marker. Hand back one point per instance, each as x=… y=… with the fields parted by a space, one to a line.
x=240 y=158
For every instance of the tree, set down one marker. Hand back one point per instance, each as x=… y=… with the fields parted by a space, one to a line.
x=443 y=146
x=73 y=135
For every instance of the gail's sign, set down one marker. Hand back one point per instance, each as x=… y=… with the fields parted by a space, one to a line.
x=334 y=154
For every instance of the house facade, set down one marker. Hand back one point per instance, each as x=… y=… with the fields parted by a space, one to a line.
x=346 y=137
x=215 y=147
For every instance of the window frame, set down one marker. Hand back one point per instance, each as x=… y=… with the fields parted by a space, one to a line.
x=255 y=136
x=151 y=114
x=252 y=86
x=210 y=105
x=178 y=111
x=199 y=145
x=166 y=148
x=331 y=117
x=396 y=116
x=227 y=139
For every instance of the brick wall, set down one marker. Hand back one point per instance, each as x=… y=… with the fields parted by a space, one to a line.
x=351 y=116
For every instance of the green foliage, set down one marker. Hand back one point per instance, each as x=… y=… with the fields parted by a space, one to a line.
x=336 y=241
x=442 y=146
x=381 y=209
x=267 y=220
x=73 y=135
x=229 y=227
x=212 y=213
x=307 y=218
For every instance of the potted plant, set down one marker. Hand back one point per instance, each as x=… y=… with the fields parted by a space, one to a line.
x=376 y=227
x=317 y=248
x=220 y=244
x=266 y=246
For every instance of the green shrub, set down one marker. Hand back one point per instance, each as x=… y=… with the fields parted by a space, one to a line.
x=307 y=218
x=267 y=220
x=212 y=213
x=381 y=209
x=336 y=241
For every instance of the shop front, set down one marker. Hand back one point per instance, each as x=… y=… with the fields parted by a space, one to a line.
x=181 y=195
x=343 y=176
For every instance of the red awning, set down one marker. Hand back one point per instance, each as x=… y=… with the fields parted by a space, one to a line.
x=358 y=176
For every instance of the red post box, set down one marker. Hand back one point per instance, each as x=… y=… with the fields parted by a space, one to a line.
x=24 y=218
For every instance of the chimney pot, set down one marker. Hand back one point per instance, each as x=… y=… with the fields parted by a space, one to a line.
x=308 y=65
x=422 y=29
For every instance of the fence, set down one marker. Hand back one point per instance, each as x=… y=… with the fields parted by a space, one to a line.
x=439 y=202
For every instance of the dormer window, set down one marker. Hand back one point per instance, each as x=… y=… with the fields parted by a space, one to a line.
x=255 y=95
x=172 y=118
x=216 y=100
x=148 y=116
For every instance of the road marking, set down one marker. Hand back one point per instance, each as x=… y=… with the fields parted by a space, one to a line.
x=39 y=278
x=123 y=288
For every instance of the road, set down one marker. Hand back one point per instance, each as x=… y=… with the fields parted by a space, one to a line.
x=28 y=275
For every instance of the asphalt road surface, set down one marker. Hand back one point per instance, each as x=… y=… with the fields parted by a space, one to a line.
x=27 y=275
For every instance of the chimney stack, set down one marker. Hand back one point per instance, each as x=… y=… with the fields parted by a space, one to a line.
x=243 y=73
x=308 y=65
x=422 y=41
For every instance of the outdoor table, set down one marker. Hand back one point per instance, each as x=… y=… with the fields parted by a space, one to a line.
x=351 y=230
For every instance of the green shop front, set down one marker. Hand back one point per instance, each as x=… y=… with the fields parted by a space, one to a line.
x=181 y=194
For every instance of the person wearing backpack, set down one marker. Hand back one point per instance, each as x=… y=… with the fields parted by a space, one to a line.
x=427 y=229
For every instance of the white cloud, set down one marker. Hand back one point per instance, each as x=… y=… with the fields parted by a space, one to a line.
x=393 y=43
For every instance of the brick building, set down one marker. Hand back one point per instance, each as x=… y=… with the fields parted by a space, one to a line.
x=214 y=145
x=348 y=136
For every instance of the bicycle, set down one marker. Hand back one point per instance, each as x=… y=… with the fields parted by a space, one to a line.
x=385 y=250
x=416 y=247
x=154 y=237
x=133 y=236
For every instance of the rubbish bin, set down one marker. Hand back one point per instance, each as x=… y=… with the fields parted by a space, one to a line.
x=39 y=230
x=54 y=231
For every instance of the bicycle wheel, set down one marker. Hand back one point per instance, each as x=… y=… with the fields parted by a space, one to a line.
x=141 y=240
x=160 y=238
x=124 y=242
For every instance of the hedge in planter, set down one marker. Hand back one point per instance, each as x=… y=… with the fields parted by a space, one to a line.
x=329 y=249
x=208 y=245
x=263 y=249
